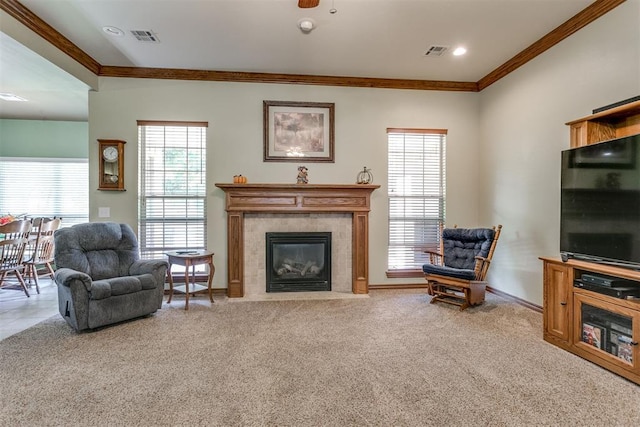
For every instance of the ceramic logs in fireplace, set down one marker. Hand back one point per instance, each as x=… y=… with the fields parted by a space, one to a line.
x=298 y=262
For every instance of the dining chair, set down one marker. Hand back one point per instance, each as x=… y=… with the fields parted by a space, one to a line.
x=38 y=261
x=13 y=241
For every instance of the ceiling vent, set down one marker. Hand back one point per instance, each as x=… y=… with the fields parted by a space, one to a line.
x=145 y=36
x=436 y=50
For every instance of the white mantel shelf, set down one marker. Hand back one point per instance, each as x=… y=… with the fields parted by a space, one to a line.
x=297 y=199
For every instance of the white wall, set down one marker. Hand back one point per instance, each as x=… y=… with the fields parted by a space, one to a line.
x=235 y=144
x=523 y=131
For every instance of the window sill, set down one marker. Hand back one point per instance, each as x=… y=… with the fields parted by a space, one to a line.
x=404 y=274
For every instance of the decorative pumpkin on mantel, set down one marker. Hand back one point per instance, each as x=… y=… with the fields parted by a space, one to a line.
x=239 y=179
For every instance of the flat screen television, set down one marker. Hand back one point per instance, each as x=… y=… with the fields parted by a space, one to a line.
x=600 y=202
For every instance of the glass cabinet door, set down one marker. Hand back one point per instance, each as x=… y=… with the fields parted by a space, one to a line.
x=606 y=330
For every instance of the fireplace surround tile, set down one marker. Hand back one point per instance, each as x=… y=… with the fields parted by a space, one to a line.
x=256 y=225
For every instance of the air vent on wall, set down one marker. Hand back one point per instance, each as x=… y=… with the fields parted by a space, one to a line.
x=145 y=36
x=436 y=50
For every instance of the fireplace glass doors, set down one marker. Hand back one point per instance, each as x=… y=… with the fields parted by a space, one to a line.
x=298 y=262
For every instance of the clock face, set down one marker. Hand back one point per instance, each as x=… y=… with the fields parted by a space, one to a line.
x=110 y=154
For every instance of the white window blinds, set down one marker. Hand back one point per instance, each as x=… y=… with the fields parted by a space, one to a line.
x=416 y=172
x=39 y=187
x=172 y=181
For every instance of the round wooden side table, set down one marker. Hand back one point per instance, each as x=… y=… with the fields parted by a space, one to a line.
x=190 y=259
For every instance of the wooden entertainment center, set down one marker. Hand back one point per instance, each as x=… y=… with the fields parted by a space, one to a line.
x=580 y=320
x=564 y=306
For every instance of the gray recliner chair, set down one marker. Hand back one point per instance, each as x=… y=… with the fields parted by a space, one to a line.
x=101 y=278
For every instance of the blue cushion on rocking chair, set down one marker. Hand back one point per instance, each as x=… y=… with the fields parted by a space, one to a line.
x=441 y=270
x=462 y=245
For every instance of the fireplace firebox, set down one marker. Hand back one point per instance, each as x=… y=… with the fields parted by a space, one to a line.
x=298 y=262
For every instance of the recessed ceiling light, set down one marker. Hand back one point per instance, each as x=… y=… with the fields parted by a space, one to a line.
x=113 y=31
x=11 y=97
x=459 y=51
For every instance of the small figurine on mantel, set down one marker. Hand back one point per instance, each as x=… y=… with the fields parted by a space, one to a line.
x=365 y=176
x=302 y=175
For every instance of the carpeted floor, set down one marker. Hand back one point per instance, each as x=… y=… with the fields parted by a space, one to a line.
x=389 y=360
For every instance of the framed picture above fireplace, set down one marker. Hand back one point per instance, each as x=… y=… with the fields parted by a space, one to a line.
x=295 y=131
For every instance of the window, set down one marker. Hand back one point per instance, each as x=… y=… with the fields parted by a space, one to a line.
x=172 y=187
x=45 y=188
x=416 y=185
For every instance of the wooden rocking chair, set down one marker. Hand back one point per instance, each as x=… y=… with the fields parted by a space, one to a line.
x=456 y=274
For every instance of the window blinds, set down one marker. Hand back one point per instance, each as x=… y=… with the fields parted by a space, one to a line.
x=45 y=188
x=172 y=187
x=416 y=173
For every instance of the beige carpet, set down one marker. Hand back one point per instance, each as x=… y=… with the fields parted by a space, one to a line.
x=389 y=360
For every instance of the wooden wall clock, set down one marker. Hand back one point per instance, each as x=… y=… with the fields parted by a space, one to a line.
x=111 y=161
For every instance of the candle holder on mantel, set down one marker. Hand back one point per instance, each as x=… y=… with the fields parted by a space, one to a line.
x=365 y=176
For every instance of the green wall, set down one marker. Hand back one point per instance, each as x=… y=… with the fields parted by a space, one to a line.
x=43 y=138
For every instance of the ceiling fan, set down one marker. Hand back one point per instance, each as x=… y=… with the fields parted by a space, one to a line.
x=307 y=4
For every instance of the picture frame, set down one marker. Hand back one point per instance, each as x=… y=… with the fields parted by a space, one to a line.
x=298 y=131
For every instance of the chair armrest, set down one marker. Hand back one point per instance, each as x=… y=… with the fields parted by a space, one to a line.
x=482 y=265
x=482 y=259
x=147 y=266
x=65 y=276
x=435 y=257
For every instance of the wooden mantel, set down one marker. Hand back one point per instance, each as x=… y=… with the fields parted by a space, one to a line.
x=297 y=199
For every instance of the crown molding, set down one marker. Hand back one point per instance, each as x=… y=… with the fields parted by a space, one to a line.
x=246 y=77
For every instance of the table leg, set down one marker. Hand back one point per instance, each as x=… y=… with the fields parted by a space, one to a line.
x=212 y=270
x=193 y=279
x=186 y=285
x=170 y=284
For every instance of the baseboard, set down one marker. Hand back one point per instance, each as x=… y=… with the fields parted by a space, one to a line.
x=378 y=287
x=501 y=294
x=515 y=299
x=399 y=286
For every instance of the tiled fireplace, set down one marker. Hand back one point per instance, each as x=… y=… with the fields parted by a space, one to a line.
x=257 y=225
x=256 y=209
